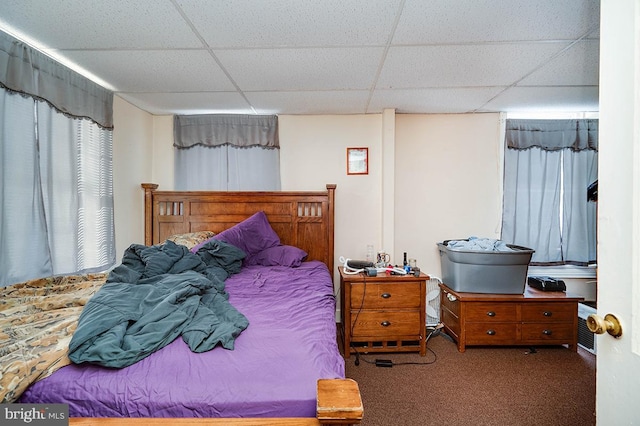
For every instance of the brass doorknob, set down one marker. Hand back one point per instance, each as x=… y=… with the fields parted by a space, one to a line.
x=609 y=323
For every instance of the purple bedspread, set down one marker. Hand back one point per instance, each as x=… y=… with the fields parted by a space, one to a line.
x=272 y=372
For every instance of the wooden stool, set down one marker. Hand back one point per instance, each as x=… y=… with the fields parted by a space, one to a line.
x=339 y=402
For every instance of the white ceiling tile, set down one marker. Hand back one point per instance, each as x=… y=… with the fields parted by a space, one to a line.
x=291 y=23
x=454 y=100
x=304 y=56
x=499 y=64
x=157 y=70
x=312 y=102
x=436 y=21
x=189 y=103
x=536 y=99
x=302 y=69
x=578 y=65
x=82 y=24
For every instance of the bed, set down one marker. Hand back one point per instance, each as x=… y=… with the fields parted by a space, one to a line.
x=282 y=367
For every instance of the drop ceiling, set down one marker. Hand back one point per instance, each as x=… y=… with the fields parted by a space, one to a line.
x=325 y=56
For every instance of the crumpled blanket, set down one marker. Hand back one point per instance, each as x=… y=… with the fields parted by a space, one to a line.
x=37 y=319
x=157 y=294
x=478 y=244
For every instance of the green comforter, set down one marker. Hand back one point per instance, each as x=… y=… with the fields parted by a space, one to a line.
x=157 y=294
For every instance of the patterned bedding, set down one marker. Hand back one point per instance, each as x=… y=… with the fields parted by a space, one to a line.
x=37 y=321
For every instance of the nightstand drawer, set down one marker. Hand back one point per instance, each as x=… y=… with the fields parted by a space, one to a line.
x=386 y=296
x=386 y=324
x=548 y=312
x=491 y=312
x=385 y=313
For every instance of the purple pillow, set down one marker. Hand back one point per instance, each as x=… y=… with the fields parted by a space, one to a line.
x=279 y=256
x=252 y=235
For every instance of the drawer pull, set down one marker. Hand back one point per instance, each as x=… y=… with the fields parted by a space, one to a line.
x=547 y=332
x=451 y=297
x=547 y=313
x=491 y=314
x=385 y=323
x=385 y=295
x=491 y=332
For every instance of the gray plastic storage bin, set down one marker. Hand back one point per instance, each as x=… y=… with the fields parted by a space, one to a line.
x=485 y=271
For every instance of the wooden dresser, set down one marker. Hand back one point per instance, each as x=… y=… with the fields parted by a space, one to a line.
x=386 y=313
x=529 y=319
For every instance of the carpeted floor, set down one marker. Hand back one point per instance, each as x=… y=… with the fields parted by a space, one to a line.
x=482 y=386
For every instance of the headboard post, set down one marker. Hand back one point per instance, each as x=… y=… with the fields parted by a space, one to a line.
x=148 y=211
x=331 y=189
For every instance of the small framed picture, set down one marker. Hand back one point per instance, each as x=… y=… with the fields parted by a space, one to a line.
x=357 y=161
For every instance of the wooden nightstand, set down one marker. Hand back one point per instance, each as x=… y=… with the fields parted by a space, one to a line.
x=531 y=319
x=386 y=313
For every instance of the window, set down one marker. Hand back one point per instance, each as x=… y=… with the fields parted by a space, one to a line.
x=226 y=152
x=56 y=197
x=57 y=206
x=227 y=168
x=549 y=165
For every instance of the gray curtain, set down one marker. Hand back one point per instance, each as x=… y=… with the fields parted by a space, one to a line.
x=226 y=129
x=531 y=207
x=226 y=152
x=28 y=71
x=549 y=165
x=552 y=135
x=56 y=196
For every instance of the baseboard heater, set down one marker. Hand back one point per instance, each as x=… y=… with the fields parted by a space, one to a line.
x=586 y=339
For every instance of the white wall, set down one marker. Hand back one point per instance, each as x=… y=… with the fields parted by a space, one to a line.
x=162 y=172
x=132 y=165
x=313 y=152
x=448 y=178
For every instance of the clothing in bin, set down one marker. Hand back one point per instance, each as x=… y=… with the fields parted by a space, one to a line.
x=484 y=265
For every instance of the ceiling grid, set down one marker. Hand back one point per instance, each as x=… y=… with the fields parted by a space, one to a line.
x=325 y=57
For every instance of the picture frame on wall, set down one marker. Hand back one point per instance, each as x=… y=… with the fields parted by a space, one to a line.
x=358 y=161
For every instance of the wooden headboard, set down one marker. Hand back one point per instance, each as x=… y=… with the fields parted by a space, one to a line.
x=304 y=219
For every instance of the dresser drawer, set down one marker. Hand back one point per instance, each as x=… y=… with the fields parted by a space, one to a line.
x=386 y=296
x=386 y=324
x=532 y=318
x=547 y=332
x=548 y=312
x=485 y=312
x=449 y=301
x=450 y=319
x=491 y=333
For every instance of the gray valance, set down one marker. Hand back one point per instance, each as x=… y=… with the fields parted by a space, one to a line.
x=25 y=70
x=226 y=129
x=552 y=135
